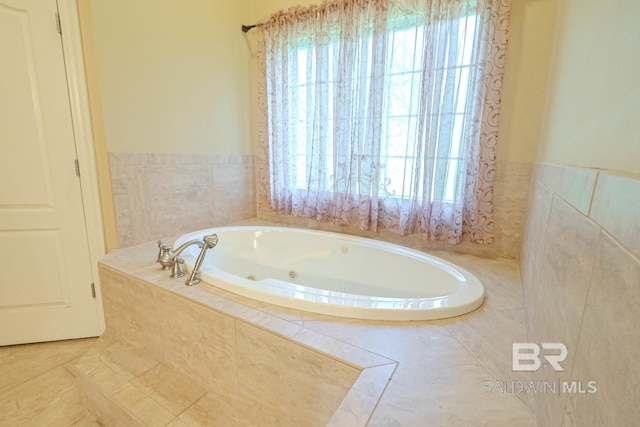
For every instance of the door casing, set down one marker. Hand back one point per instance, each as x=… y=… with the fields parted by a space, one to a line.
x=81 y=121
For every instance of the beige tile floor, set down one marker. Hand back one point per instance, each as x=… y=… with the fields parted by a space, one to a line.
x=37 y=388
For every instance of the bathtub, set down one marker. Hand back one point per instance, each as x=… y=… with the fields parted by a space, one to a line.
x=334 y=274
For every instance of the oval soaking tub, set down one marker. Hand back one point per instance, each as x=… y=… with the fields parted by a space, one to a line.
x=334 y=274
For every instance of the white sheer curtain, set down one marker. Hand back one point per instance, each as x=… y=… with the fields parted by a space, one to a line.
x=384 y=114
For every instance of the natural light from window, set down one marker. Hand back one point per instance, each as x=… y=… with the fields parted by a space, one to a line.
x=400 y=156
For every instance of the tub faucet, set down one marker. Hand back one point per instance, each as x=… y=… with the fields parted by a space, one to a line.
x=170 y=258
x=167 y=256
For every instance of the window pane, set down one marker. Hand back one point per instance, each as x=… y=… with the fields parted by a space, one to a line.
x=400 y=137
x=394 y=176
x=301 y=146
x=467 y=37
x=462 y=87
x=328 y=173
x=403 y=54
x=450 y=187
x=403 y=93
x=398 y=173
x=301 y=171
x=302 y=65
x=456 y=142
x=302 y=102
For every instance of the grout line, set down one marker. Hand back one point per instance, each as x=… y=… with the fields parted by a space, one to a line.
x=593 y=193
x=41 y=373
x=336 y=357
x=384 y=390
x=353 y=345
x=494 y=375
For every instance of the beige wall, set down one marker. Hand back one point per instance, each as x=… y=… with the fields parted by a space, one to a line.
x=532 y=30
x=165 y=77
x=593 y=105
x=173 y=76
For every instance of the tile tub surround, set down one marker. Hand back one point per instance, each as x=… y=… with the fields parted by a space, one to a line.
x=581 y=280
x=510 y=202
x=173 y=353
x=406 y=373
x=161 y=194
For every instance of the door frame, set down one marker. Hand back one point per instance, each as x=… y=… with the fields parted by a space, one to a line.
x=84 y=141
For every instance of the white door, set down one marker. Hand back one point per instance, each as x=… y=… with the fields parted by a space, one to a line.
x=45 y=271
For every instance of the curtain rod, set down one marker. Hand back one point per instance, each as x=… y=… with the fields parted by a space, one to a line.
x=246 y=28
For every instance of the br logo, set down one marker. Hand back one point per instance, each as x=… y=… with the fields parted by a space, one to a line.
x=527 y=356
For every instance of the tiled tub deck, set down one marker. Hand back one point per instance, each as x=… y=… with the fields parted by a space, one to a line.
x=176 y=355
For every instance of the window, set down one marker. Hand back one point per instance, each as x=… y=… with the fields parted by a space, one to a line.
x=400 y=158
x=383 y=114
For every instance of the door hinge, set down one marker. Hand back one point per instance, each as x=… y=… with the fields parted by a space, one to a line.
x=58 y=24
x=77 y=167
x=93 y=290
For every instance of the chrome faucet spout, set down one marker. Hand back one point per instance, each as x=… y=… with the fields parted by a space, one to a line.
x=177 y=251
